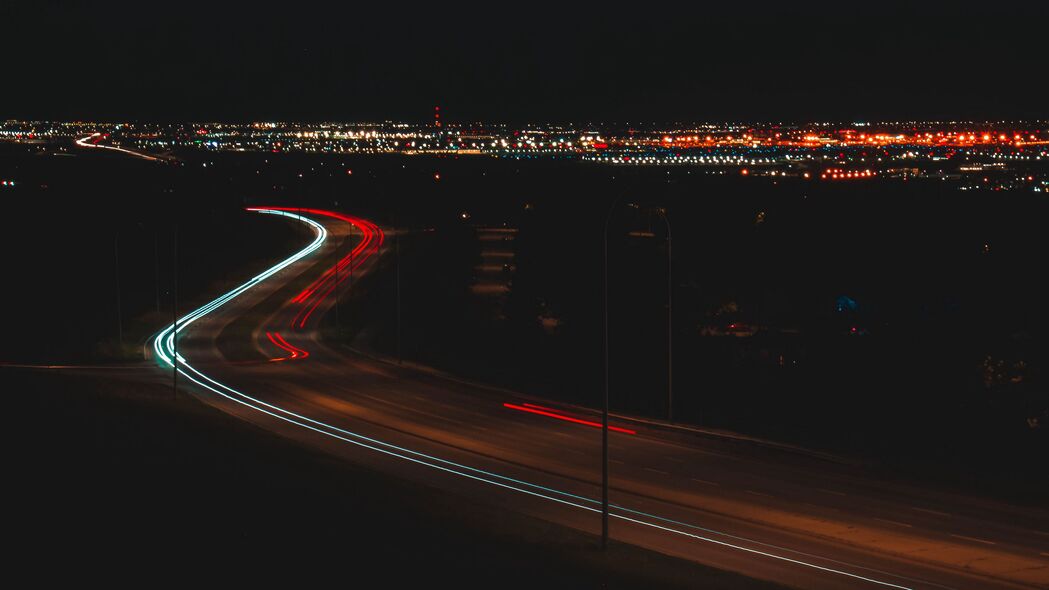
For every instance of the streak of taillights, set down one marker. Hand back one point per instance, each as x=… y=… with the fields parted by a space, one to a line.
x=534 y=409
x=281 y=343
x=278 y=359
x=164 y=347
x=367 y=230
x=295 y=350
x=312 y=296
x=358 y=256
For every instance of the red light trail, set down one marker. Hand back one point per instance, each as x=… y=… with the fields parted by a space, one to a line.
x=312 y=296
x=534 y=409
x=281 y=343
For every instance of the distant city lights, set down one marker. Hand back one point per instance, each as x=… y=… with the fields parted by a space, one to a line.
x=1009 y=154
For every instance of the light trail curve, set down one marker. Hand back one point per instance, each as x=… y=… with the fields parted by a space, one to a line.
x=85 y=142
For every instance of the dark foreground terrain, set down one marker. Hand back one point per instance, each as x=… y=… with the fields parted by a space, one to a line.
x=125 y=485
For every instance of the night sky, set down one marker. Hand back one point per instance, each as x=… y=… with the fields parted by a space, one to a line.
x=522 y=61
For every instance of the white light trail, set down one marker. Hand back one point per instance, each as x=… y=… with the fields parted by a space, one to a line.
x=83 y=142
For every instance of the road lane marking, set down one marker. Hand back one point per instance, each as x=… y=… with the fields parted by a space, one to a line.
x=936 y=512
x=895 y=522
x=709 y=483
x=826 y=491
x=656 y=471
x=821 y=507
x=753 y=493
x=984 y=541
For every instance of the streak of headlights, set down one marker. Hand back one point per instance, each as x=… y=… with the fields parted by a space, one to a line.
x=83 y=142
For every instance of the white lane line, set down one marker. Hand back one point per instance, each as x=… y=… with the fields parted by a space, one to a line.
x=617 y=461
x=895 y=522
x=984 y=541
x=819 y=567
x=703 y=481
x=763 y=494
x=654 y=470
x=826 y=491
x=821 y=507
x=936 y=512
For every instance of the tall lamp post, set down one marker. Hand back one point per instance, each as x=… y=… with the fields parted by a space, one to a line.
x=670 y=362
x=670 y=318
x=156 y=265
x=338 y=261
x=338 y=324
x=397 y=252
x=174 y=315
x=116 y=276
x=349 y=287
x=604 y=408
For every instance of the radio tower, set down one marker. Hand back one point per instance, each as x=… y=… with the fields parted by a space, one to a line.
x=438 y=134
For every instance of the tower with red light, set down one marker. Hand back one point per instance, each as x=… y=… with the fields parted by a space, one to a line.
x=438 y=133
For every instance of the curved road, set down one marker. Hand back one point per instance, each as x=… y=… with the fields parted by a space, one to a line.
x=767 y=512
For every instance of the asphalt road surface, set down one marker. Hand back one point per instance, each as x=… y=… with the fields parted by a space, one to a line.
x=766 y=511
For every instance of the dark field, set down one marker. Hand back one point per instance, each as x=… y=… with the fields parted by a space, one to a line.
x=901 y=322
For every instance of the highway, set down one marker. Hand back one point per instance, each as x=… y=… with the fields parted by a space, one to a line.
x=93 y=141
x=801 y=519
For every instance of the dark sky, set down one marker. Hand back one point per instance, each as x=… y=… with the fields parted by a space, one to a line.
x=519 y=61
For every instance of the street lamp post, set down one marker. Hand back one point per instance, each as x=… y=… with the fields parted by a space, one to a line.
x=116 y=276
x=397 y=252
x=670 y=364
x=156 y=265
x=338 y=325
x=174 y=317
x=349 y=287
x=604 y=408
x=670 y=319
